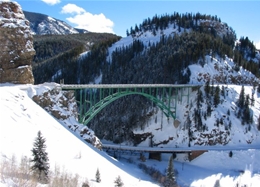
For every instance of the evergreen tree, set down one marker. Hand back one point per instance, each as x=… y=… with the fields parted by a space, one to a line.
x=241 y=100
x=207 y=88
x=118 y=182
x=230 y=154
x=252 y=99
x=98 y=179
x=199 y=98
x=228 y=112
x=223 y=91
x=216 y=96
x=170 y=176
x=188 y=122
x=246 y=114
x=229 y=124
x=40 y=166
x=217 y=183
x=209 y=110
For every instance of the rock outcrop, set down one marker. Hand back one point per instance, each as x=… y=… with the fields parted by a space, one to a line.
x=16 y=43
x=62 y=105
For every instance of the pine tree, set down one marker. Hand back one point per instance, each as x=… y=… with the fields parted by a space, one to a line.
x=207 y=88
x=199 y=98
x=170 y=176
x=246 y=113
x=98 y=179
x=228 y=112
x=217 y=183
x=118 y=182
x=40 y=166
x=216 y=96
x=252 y=99
x=209 y=110
x=223 y=91
x=230 y=154
x=241 y=100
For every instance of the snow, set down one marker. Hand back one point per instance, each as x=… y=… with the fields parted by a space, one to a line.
x=16 y=20
x=51 y=25
x=22 y=119
x=146 y=37
x=215 y=67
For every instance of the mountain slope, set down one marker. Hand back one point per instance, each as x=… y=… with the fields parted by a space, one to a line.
x=161 y=58
x=41 y=24
x=184 y=49
x=21 y=119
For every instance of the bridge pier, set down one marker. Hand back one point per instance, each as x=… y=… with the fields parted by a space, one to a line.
x=195 y=154
x=155 y=156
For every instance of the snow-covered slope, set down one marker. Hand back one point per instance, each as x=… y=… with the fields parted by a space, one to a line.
x=165 y=134
x=21 y=119
x=220 y=71
x=216 y=70
x=42 y=24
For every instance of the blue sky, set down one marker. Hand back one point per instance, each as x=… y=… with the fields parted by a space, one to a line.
x=117 y=16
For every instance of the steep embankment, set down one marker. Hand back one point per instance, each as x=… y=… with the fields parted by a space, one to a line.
x=176 y=54
x=212 y=115
x=22 y=118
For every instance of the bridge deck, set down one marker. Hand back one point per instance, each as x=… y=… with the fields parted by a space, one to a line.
x=81 y=86
x=179 y=149
x=145 y=149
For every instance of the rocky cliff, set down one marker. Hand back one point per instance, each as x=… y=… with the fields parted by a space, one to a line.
x=16 y=43
x=62 y=106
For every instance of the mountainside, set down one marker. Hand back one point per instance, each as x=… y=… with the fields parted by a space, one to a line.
x=177 y=49
x=220 y=115
x=57 y=56
x=41 y=24
x=74 y=162
x=181 y=55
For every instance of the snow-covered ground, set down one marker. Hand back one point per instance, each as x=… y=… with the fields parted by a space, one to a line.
x=21 y=119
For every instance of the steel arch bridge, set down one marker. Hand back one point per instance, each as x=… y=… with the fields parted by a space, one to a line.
x=94 y=97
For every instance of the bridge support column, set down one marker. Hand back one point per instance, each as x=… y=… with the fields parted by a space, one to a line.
x=195 y=154
x=155 y=156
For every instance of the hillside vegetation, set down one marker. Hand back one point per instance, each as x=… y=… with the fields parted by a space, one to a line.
x=57 y=55
x=167 y=49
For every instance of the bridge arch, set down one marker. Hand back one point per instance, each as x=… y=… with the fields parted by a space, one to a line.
x=94 y=110
x=94 y=97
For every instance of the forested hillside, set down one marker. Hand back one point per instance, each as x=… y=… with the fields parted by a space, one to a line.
x=57 y=56
x=191 y=38
x=160 y=50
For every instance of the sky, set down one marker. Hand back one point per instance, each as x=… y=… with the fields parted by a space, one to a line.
x=116 y=16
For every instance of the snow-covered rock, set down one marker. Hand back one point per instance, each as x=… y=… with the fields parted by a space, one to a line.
x=16 y=45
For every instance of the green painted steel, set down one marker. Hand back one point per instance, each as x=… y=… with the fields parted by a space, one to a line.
x=93 y=98
x=109 y=99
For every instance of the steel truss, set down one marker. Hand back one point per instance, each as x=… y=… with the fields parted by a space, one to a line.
x=93 y=98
